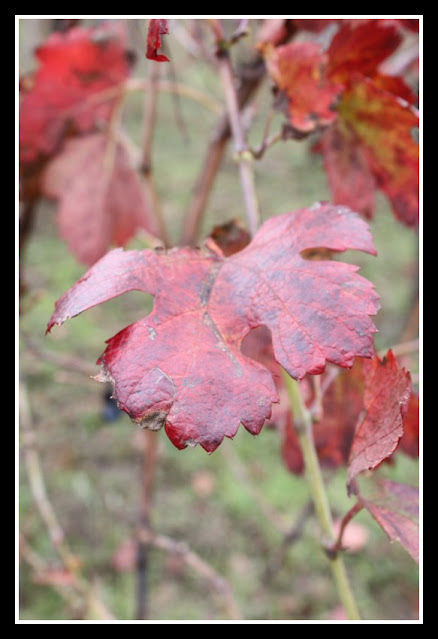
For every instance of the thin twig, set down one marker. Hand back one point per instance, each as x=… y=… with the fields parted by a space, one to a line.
x=243 y=155
x=149 y=125
x=290 y=538
x=70 y=363
x=48 y=515
x=218 y=583
x=149 y=466
x=214 y=154
x=337 y=546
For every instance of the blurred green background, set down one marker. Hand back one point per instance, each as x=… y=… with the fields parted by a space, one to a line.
x=216 y=504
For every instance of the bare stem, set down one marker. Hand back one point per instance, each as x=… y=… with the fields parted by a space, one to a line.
x=303 y=425
x=149 y=122
x=198 y=564
x=243 y=155
x=337 y=546
x=150 y=459
x=214 y=154
x=39 y=493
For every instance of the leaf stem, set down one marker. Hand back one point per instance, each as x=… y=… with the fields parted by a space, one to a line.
x=303 y=426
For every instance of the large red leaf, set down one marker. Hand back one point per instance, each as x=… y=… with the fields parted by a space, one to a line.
x=385 y=400
x=304 y=92
x=395 y=507
x=156 y=29
x=75 y=68
x=182 y=366
x=101 y=198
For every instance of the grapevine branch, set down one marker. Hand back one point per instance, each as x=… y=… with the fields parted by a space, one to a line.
x=196 y=563
x=48 y=515
x=303 y=426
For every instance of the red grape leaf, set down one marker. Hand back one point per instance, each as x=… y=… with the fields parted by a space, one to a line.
x=156 y=29
x=395 y=507
x=182 y=366
x=360 y=49
x=75 y=67
x=383 y=126
x=101 y=198
x=378 y=431
x=303 y=90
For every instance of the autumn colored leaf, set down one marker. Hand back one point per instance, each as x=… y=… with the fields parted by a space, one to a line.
x=409 y=442
x=313 y=24
x=383 y=124
x=68 y=92
x=156 y=29
x=368 y=141
x=395 y=507
x=182 y=366
x=346 y=164
x=101 y=198
x=386 y=397
x=412 y=24
x=303 y=90
x=360 y=49
x=343 y=403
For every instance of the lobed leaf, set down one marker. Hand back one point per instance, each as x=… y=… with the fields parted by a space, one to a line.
x=182 y=366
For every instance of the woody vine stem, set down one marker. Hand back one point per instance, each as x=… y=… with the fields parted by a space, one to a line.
x=302 y=417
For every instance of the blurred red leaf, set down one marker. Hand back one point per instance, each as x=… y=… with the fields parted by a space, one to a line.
x=101 y=198
x=412 y=25
x=383 y=125
x=351 y=181
x=395 y=507
x=360 y=49
x=201 y=389
x=387 y=389
x=313 y=24
x=409 y=442
x=76 y=67
x=368 y=142
x=343 y=403
x=156 y=29
x=304 y=92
